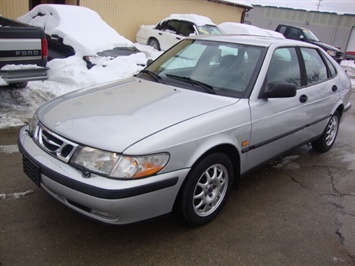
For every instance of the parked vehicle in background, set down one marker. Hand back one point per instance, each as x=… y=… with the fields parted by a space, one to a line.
x=23 y=53
x=78 y=30
x=302 y=34
x=182 y=132
x=173 y=29
x=239 y=28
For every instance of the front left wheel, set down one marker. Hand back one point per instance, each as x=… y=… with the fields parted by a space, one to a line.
x=206 y=189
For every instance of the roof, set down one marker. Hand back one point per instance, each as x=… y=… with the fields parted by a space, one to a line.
x=263 y=41
x=238 y=3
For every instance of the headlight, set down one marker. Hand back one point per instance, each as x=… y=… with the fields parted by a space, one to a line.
x=331 y=53
x=118 y=166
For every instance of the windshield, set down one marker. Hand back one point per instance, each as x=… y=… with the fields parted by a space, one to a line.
x=209 y=29
x=212 y=67
x=310 y=36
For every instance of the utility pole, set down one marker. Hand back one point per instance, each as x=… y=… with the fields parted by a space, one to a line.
x=318 y=4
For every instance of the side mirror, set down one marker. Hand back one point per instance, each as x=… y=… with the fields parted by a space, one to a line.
x=280 y=90
x=302 y=38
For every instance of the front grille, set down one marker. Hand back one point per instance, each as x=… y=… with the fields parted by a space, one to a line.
x=50 y=142
x=54 y=144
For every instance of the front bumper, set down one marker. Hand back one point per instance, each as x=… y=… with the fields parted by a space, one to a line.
x=24 y=75
x=107 y=200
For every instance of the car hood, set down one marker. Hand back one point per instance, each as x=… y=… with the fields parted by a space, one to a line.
x=114 y=117
x=326 y=46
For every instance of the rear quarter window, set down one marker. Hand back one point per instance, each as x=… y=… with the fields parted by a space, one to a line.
x=316 y=70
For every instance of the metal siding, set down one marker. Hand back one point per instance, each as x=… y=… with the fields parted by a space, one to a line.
x=330 y=28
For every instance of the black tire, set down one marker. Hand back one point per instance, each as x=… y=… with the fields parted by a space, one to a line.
x=154 y=43
x=328 y=137
x=19 y=85
x=206 y=189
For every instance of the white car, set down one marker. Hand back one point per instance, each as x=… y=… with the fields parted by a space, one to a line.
x=175 y=28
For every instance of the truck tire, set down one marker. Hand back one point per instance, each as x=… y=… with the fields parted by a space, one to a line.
x=19 y=85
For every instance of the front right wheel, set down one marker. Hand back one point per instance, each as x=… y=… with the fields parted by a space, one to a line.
x=206 y=189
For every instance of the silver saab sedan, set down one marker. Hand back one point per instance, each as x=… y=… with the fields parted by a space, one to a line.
x=180 y=134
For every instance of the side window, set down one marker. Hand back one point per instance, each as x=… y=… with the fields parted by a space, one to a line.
x=294 y=33
x=284 y=67
x=282 y=29
x=315 y=67
x=170 y=26
x=186 y=29
x=161 y=25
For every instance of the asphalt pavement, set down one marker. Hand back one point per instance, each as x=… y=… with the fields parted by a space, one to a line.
x=298 y=210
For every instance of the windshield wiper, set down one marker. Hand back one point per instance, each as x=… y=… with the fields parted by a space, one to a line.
x=207 y=87
x=156 y=77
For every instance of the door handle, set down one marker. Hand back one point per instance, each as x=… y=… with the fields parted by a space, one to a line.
x=160 y=33
x=178 y=38
x=334 y=88
x=303 y=98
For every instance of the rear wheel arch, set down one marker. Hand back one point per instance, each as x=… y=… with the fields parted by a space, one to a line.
x=340 y=111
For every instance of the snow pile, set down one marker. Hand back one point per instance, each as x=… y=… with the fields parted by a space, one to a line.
x=239 y=28
x=18 y=67
x=238 y=2
x=80 y=27
x=196 y=19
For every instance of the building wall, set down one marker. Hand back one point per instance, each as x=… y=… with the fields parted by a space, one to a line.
x=330 y=28
x=13 y=8
x=126 y=16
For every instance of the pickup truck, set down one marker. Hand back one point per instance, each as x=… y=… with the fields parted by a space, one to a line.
x=23 y=53
x=302 y=34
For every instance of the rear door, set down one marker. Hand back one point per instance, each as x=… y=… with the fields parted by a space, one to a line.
x=320 y=93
